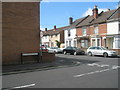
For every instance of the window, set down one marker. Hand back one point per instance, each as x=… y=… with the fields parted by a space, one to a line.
x=98 y=48
x=98 y=42
x=69 y=33
x=83 y=31
x=95 y=29
x=69 y=42
x=45 y=37
x=66 y=43
x=92 y=47
x=84 y=43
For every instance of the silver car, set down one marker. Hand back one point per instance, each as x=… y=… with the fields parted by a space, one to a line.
x=100 y=51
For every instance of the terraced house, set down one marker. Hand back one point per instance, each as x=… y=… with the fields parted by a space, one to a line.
x=100 y=29
x=50 y=37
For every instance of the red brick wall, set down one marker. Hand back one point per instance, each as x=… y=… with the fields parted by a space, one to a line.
x=20 y=31
x=79 y=31
x=102 y=28
x=62 y=36
x=91 y=28
x=48 y=57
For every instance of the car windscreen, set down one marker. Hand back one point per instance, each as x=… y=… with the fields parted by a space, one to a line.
x=103 y=48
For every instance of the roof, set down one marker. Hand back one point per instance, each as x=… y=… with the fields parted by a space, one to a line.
x=53 y=31
x=86 y=21
x=102 y=17
x=76 y=22
x=116 y=14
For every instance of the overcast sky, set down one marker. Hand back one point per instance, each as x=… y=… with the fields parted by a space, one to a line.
x=58 y=13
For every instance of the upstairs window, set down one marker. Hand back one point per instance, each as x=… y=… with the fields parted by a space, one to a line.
x=69 y=34
x=95 y=29
x=83 y=31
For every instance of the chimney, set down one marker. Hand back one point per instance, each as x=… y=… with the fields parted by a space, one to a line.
x=108 y=9
x=46 y=29
x=95 y=12
x=70 y=20
x=55 y=27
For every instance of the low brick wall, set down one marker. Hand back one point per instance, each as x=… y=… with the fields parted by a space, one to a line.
x=48 y=57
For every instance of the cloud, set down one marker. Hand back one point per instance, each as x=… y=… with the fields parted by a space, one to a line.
x=43 y=29
x=89 y=11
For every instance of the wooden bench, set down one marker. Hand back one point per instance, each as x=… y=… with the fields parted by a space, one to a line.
x=29 y=54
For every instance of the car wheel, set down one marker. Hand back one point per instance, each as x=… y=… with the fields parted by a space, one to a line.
x=75 y=53
x=89 y=54
x=105 y=54
x=64 y=52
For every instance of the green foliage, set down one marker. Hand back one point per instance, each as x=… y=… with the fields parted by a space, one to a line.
x=58 y=43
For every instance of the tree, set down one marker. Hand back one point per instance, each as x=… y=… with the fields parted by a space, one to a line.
x=58 y=43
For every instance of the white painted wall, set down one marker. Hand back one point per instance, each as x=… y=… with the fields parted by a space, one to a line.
x=112 y=27
x=45 y=39
x=71 y=37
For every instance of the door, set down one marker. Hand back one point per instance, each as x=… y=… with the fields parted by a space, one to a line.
x=99 y=51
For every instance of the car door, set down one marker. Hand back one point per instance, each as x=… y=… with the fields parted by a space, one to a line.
x=93 y=50
x=67 y=50
x=98 y=51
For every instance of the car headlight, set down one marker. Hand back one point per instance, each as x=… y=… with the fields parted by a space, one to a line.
x=113 y=52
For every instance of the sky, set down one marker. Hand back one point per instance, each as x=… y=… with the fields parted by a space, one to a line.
x=58 y=13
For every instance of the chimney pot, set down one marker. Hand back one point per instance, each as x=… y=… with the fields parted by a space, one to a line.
x=95 y=12
x=45 y=29
x=108 y=9
x=55 y=27
x=70 y=20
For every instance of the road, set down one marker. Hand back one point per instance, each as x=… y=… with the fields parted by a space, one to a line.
x=93 y=72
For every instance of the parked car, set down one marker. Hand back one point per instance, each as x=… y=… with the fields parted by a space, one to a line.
x=100 y=51
x=44 y=49
x=73 y=50
x=54 y=50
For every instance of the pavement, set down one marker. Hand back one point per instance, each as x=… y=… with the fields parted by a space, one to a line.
x=30 y=67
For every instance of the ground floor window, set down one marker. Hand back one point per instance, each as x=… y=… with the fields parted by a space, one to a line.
x=110 y=42
x=96 y=42
x=84 y=43
x=66 y=43
x=69 y=42
x=117 y=43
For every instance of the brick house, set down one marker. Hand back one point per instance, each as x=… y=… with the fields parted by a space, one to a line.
x=20 y=30
x=70 y=32
x=93 y=31
x=50 y=36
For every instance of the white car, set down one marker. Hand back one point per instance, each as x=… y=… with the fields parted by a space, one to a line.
x=54 y=50
x=100 y=51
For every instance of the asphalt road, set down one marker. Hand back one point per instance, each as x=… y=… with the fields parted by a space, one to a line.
x=93 y=72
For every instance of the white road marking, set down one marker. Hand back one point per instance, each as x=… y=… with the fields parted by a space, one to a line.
x=95 y=64
x=24 y=86
x=104 y=70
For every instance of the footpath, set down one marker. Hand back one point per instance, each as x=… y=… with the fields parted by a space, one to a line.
x=30 y=67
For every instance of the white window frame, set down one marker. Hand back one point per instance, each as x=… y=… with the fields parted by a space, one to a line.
x=84 y=31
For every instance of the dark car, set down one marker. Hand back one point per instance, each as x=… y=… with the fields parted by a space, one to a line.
x=73 y=51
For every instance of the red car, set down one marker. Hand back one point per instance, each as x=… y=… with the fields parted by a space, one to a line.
x=44 y=49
